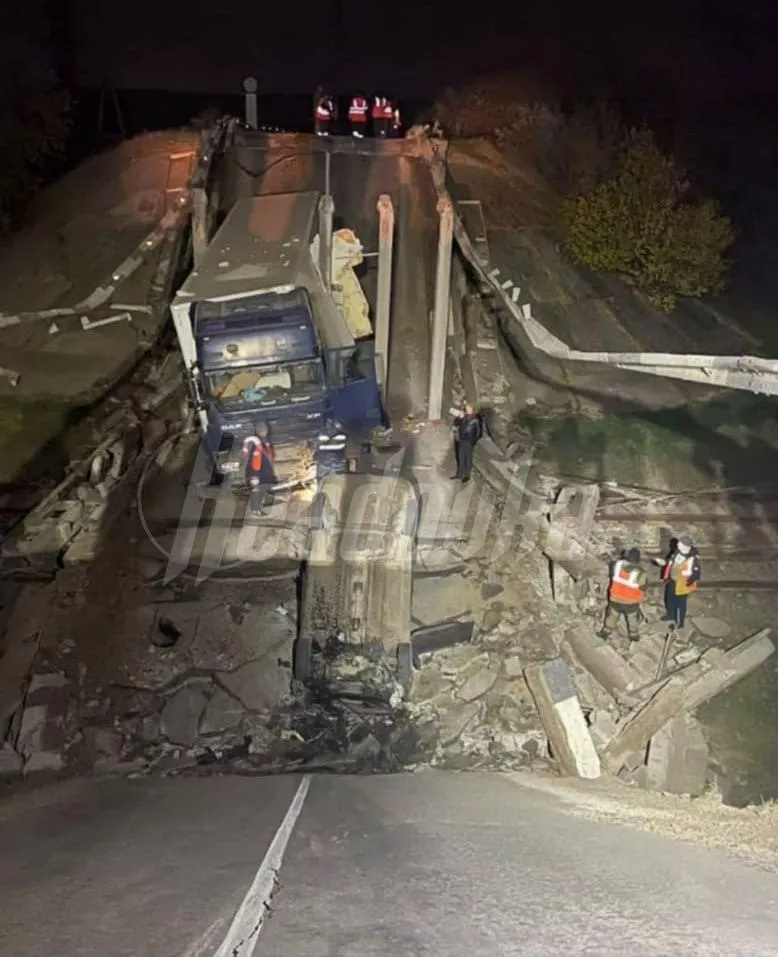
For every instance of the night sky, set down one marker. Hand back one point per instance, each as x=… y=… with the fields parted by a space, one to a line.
x=705 y=50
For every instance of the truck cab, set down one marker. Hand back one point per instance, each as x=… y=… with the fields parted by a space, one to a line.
x=263 y=341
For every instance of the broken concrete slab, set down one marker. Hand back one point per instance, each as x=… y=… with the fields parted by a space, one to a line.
x=259 y=685
x=222 y=713
x=677 y=761
x=10 y=762
x=478 y=679
x=104 y=742
x=32 y=729
x=19 y=647
x=605 y=664
x=44 y=680
x=571 y=519
x=643 y=723
x=44 y=761
x=452 y=724
x=712 y=627
x=563 y=720
x=180 y=718
x=444 y=597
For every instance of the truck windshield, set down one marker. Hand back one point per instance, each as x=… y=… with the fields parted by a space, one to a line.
x=266 y=385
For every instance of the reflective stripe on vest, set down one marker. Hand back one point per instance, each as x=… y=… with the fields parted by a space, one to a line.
x=625 y=586
x=323 y=112
x=358 y=109
x=387 y=112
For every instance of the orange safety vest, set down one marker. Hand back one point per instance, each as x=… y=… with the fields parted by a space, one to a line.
x=387 y=112
x=378 y=108
x=323 y=110
x=256 y=456
x=625 y=587
x=357 y=112
x=683 y=570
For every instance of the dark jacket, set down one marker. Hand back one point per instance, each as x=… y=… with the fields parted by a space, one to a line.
x=469 y=428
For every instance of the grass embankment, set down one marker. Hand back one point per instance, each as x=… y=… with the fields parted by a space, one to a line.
x=33 y=438
x=730 y=441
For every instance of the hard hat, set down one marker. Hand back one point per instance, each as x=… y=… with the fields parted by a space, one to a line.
x=633 y=556
x=685 y=544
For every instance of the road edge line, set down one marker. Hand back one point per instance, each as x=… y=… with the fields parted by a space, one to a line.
x=249 y=919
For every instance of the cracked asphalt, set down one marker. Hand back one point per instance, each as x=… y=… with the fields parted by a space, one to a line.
x=419 y=864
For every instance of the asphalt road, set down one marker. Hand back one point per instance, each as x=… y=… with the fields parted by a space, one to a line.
x=430 y=863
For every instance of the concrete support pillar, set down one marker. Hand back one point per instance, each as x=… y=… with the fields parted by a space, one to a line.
x=326 y=214
x=199 y=225
x=384 y=295
x=250 y=93
x=441 y=311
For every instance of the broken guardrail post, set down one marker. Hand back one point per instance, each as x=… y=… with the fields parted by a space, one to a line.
x=440 y=314
x=384 y=295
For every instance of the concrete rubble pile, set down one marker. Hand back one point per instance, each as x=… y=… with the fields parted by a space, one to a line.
x=632 y=715
x=66 y=527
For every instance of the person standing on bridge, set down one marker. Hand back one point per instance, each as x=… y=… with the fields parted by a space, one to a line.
x=396 y=120
x=379 y=115
x=468 y=429
x=323 y=114
x=626 y=594
x=357 y=116
x=681 y=571
x=258 y=457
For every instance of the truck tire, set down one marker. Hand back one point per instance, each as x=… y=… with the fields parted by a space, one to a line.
x=405 y=664
x=302 y=667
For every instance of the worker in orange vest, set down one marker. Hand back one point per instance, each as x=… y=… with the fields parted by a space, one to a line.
x=357 y=116
x=626 y=594
x=258 y=457
x=322 y=115
x=381 y=114
x=681 y=572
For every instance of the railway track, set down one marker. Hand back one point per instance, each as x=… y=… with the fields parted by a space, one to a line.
x=727 y=525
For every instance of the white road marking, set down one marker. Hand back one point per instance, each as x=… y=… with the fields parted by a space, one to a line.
x=249 y=920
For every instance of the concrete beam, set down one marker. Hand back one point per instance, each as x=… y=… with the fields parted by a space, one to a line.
x=643 y=723
x=326 y=215
x=729 y=668
x=605 y=664
x=199 y=225
x=560 y=711
x=441 y=310
x=384 y=294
